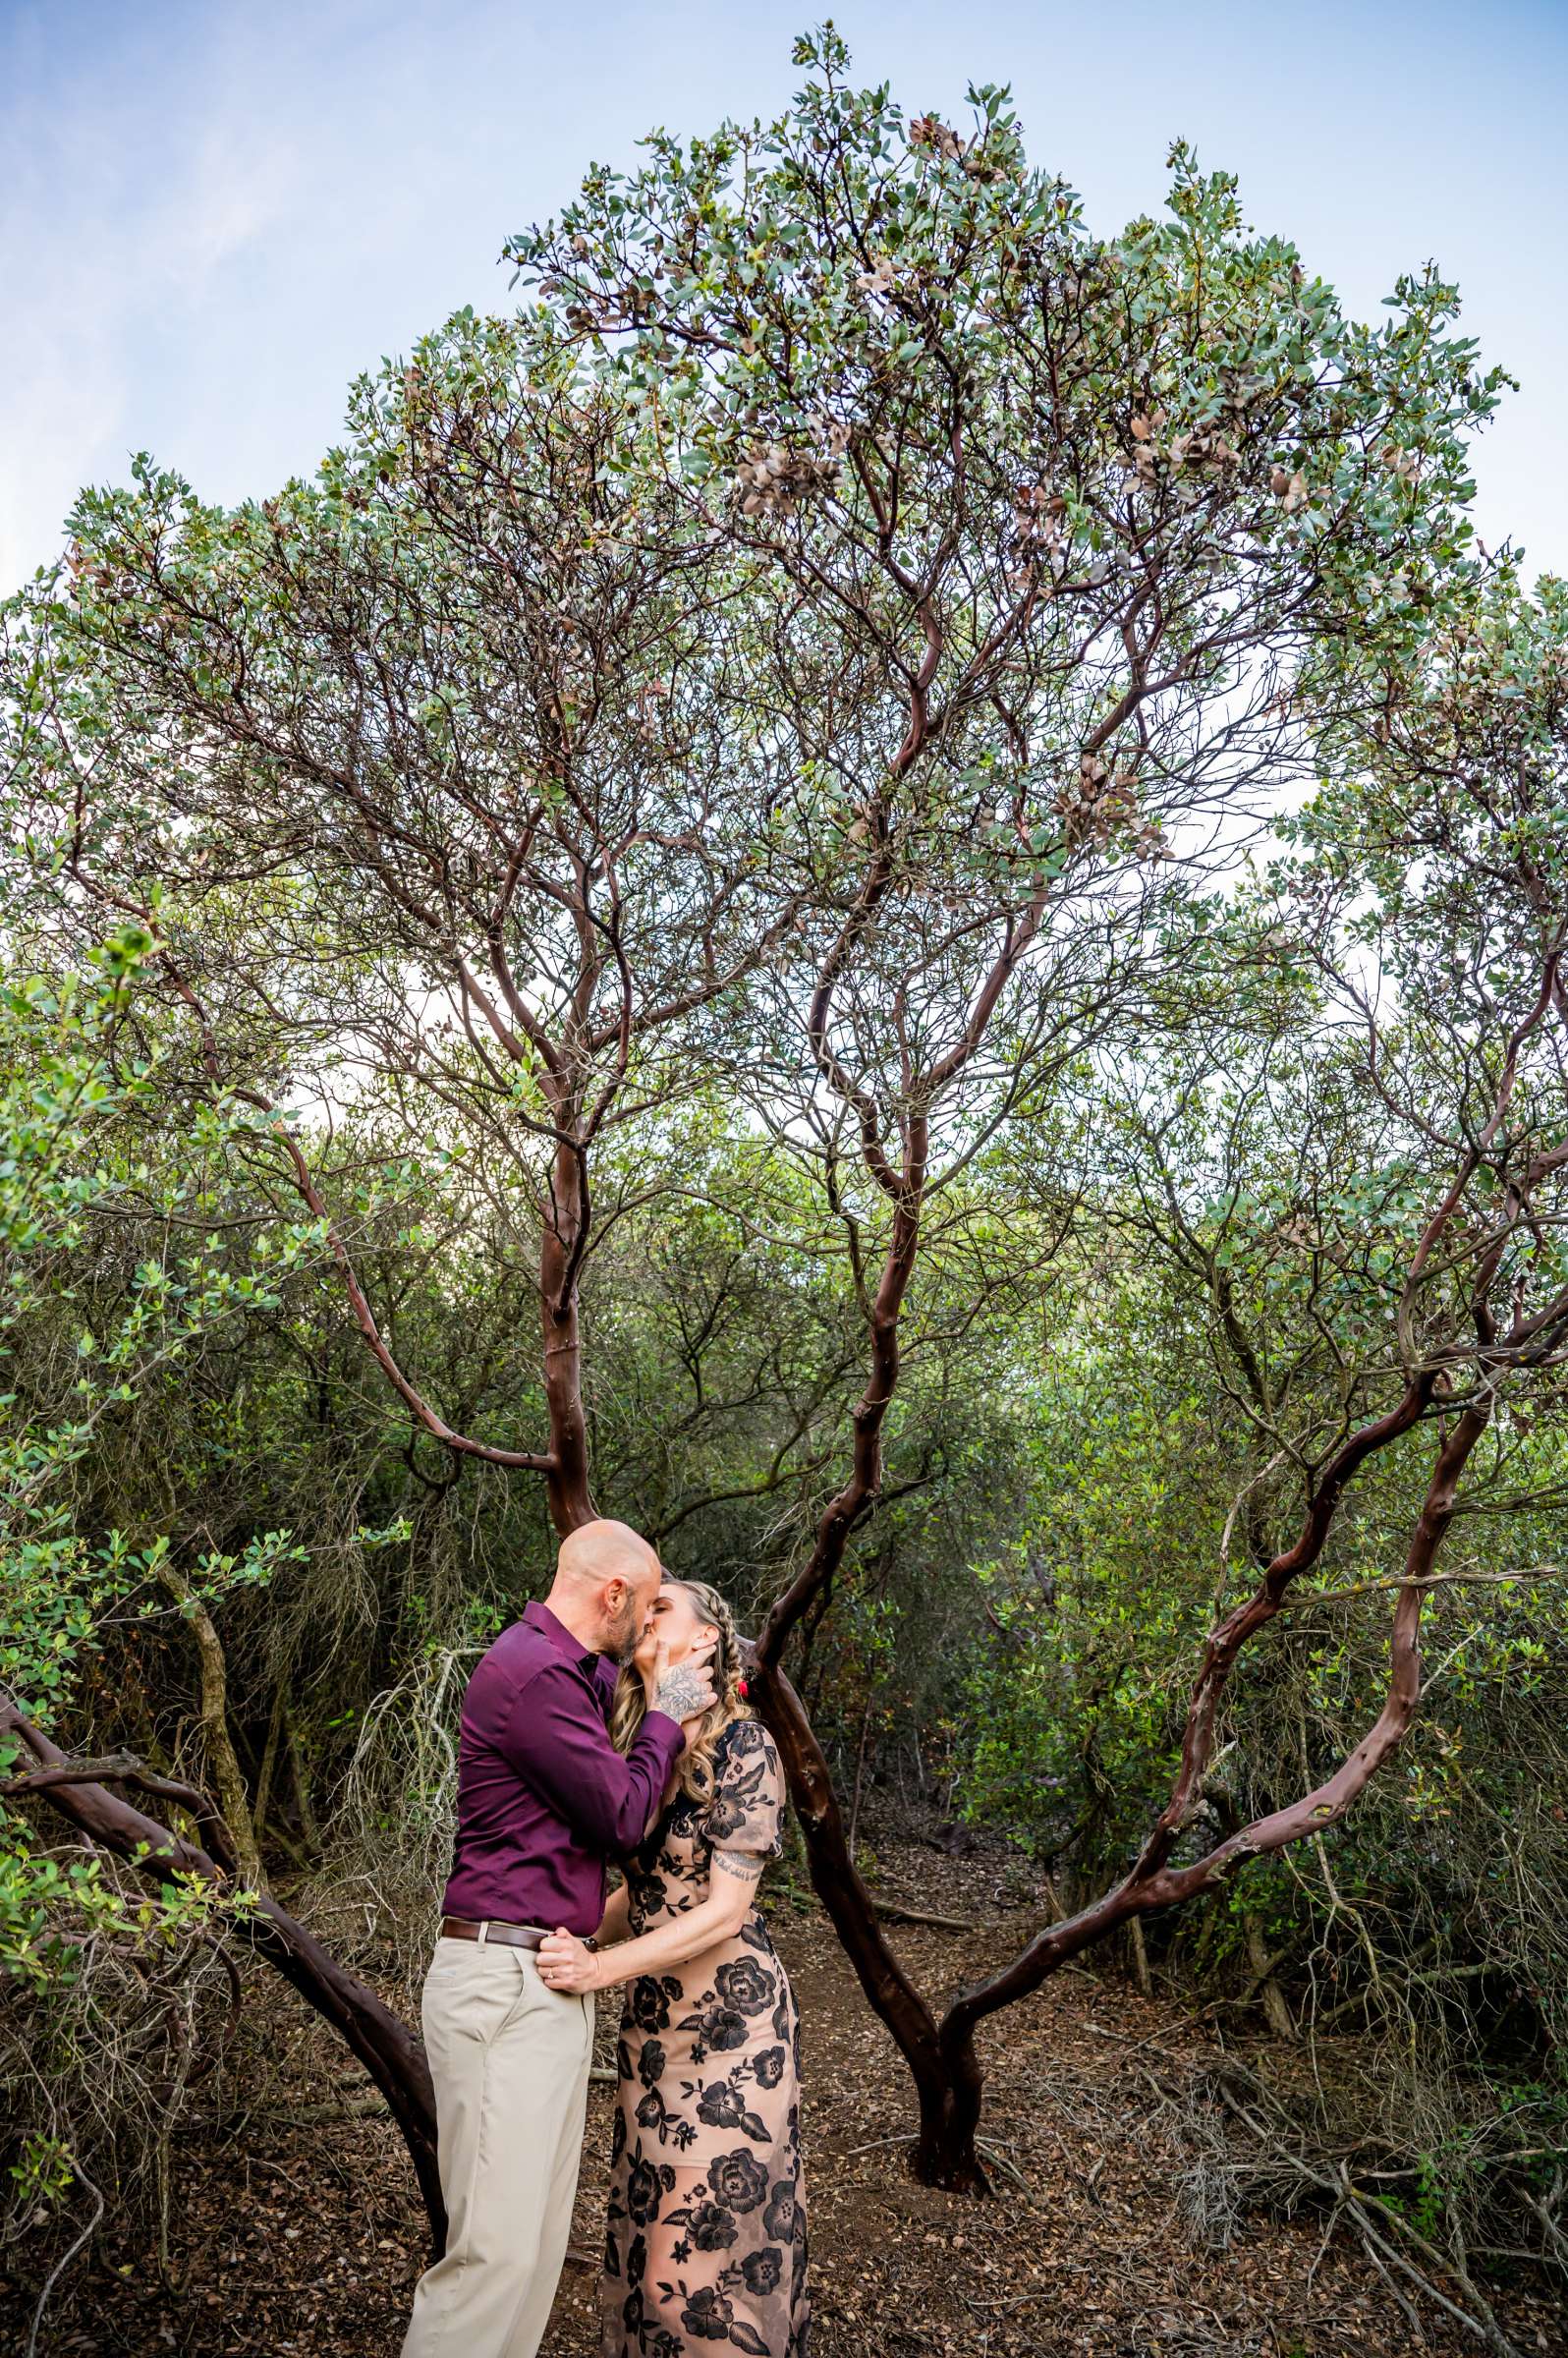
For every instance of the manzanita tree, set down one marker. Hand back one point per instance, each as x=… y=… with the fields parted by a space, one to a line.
x=814 y=650
x=440 y=764
x=1050 y=525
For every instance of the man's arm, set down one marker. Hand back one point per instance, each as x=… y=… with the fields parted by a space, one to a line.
x=617 y=1916
x=555 y=1737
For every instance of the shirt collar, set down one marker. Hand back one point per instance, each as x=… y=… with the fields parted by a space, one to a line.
x=539 y=1616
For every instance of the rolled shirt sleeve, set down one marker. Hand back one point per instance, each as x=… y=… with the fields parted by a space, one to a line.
x=556 y=1739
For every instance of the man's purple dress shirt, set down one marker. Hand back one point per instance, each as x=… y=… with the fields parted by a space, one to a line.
x=543 y=1797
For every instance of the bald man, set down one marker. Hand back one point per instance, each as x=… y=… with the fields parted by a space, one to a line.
x=544 y=1801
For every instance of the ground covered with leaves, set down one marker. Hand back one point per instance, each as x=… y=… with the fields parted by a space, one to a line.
x=1117 y=2228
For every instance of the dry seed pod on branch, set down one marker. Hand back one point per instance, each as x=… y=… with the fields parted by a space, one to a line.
x=775 y=481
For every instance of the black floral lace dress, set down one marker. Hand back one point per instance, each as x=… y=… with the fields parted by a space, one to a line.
x=706 y=2243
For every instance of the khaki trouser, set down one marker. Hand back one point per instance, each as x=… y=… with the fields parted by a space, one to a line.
x=510 y=2061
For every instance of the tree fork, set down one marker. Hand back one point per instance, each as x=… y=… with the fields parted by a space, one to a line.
x=564 y=1224
x=1153 y=1883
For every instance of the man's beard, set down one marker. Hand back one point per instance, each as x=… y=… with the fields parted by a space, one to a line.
x=624 y=1637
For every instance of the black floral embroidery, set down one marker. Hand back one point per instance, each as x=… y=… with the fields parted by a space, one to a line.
x=724 y=1819
x=720 y=2106
x=720 y=2028
x=744 y=1986
x=768 y=2066
x=710 y=2228
x=647 y=2183
x=738 y=2179
x=778 y=2220
x=649 y=2064
x=708 y=2314
x=647 y=2000
x=745 y=1790
x=763 y=2270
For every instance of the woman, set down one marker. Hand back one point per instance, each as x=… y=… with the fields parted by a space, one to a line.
x=706 y=2243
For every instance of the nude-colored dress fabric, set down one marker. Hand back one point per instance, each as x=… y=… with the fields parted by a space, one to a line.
x=706 y=2243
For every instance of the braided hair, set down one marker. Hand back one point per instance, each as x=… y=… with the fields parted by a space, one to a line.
x=629 y=1708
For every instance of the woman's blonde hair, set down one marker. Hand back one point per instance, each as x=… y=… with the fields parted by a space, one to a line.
x=629 y=1708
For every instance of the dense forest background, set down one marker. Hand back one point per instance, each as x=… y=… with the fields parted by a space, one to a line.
x=883 y=889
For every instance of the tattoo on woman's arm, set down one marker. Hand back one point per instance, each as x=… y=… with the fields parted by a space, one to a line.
x=741 y=1864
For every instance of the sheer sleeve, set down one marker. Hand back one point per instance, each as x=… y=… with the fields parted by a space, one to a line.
x=747 y=1812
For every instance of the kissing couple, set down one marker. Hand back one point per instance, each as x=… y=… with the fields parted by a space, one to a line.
x=610 y=1723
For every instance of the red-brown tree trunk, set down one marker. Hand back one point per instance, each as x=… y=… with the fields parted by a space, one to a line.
x=944 y=2152
x=565 y=1215
x=389 y=2051
x=944 y=2157
x=1153 y=1882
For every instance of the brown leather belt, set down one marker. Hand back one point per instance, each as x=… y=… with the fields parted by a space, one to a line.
x=509 y=1936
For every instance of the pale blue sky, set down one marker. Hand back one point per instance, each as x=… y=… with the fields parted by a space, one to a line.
x=211 y=215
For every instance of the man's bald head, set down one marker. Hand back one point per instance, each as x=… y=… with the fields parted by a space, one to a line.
x=606 y=1578
x=602 y=1550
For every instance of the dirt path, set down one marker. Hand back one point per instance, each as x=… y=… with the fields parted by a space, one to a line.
x=291 y=2235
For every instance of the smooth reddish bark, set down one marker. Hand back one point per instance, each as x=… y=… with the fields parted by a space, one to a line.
x=389 y=2051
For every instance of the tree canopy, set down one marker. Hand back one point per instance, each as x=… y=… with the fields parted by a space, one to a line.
x=884 y=884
